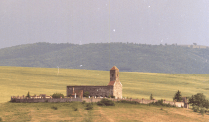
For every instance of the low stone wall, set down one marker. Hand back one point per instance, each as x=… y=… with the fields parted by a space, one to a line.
x=51 y=100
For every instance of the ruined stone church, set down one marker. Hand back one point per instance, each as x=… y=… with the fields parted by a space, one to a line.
x=114 y=87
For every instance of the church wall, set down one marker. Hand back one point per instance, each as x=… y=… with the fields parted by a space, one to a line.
x=117 y=90
x=103 y=91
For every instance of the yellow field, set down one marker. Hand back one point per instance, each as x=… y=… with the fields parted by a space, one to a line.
x=18 y=81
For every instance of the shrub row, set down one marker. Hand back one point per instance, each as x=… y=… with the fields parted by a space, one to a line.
x=160 y=103
x=106 y=102
x=130 y=102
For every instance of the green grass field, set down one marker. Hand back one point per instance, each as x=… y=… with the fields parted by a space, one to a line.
x=121 y=112
x=19 y=80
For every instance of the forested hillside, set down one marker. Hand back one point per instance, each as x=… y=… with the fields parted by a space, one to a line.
x=127 y=57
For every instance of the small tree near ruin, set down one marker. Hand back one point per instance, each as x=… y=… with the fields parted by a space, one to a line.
x=177 y=97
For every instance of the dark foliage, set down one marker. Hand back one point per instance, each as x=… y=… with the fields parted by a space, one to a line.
x=28 y=95
x=199 y=100
x=195 y=108
x=84 y=102
x=106 y=102
x=177 y=97
x=160 y=103
x=89 y=106
x=75 y=108
x=57 y=95
x=130 y=57
x=86 y=94
x=130 y=102
x=53 y=107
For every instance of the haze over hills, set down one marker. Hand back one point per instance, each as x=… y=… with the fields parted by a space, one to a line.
x=128 y=57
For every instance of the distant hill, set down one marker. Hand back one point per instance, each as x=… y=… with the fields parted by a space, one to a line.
x=127 y=57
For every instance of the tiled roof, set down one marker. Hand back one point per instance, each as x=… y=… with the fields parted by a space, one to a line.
x=114 y=68
x=111 y=83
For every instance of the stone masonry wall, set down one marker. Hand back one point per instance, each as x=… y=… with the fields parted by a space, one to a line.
x=117 y=90
x=103 y=91
x=47 y=100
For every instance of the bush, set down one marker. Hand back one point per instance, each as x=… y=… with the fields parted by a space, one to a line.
x=75 y=109
x=57 y=95
x=55 y=108
x=83 y=102
x=130 y=102
x=195 y=108
x=0 y=119
x=89 y=106
x=160 y=103
x=106 y=102
x=112 y=96
x=86 y=94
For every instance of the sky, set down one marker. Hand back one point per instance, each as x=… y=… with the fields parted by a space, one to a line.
x=96 y=21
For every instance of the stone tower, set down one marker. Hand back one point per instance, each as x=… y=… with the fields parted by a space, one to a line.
x=114 y=81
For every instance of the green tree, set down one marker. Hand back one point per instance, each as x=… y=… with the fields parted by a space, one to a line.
x=28 y=95
x=86 y=94
x=199 y=100
x=177 y=96
x=57 y=95
x=151 y=97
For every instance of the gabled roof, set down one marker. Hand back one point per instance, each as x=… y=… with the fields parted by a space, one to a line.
x=114 y=68
x=111 y=83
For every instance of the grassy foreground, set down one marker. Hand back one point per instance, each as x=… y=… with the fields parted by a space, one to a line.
x=19 y=80
x=43 y=112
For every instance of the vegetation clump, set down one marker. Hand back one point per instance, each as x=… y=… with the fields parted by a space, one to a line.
x=199 y=101
x=83 y=102
x=28 y=95
x=89 y=106
x=160 y=103
x=177 y=97
x=106 y=102
x=75 y=108
x=86 y=94
x=111 y=96
x=130 y=102
x=57 y=95
x=53 y=107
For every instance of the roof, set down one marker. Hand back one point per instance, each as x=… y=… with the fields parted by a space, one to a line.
x=114 y=68
x=111 y=83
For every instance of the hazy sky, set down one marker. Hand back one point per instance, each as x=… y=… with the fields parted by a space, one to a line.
x=94 y=21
